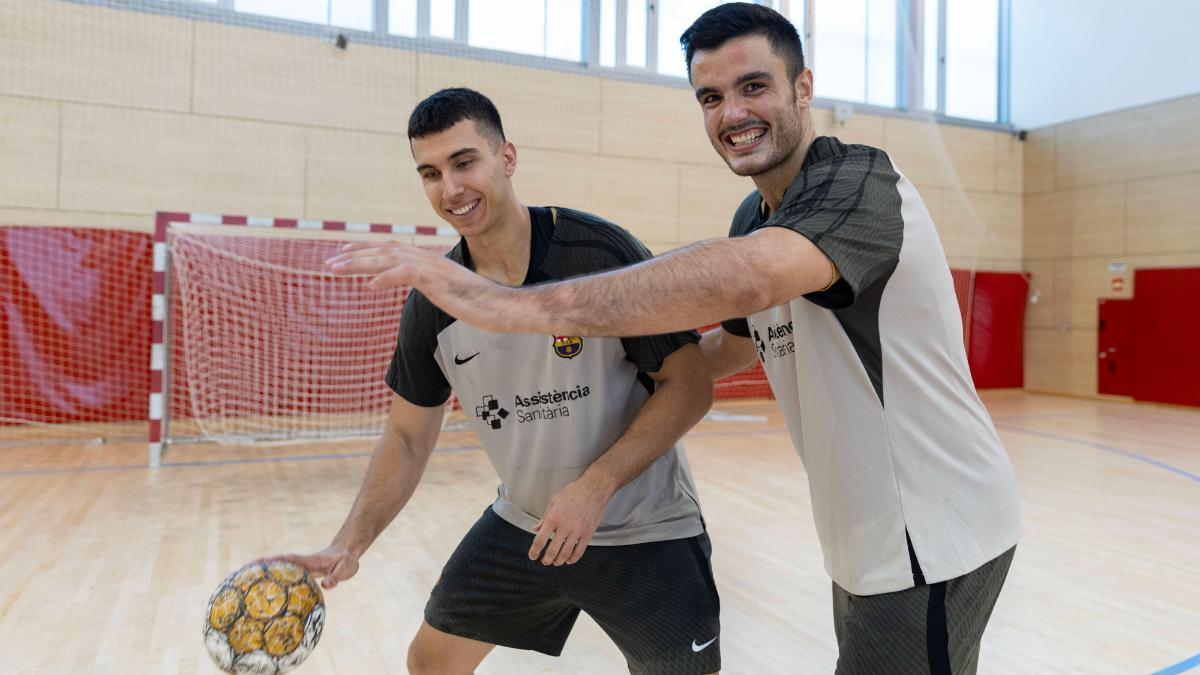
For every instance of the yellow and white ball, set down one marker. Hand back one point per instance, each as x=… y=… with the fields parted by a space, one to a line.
x=264 y=619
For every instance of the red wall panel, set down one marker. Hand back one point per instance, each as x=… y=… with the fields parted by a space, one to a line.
x=1166 y=319
x=74 y=325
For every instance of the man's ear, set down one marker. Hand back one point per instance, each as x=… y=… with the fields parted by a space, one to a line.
x=508 y=155
x=803 y=86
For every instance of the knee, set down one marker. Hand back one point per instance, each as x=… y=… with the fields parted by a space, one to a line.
x=423 y=659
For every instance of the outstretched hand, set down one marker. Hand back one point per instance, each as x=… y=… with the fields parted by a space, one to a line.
x=457 y=290
x=392 y=264
x=332 y=566
x=569 y=523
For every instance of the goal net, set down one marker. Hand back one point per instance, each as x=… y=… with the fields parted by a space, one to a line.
x=262 y=343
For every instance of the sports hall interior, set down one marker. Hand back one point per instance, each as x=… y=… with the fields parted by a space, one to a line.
x=115 y=111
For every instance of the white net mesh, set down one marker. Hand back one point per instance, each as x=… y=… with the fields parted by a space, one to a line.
x=267 y=345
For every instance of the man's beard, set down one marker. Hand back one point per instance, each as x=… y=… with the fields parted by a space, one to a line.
x=782 y=147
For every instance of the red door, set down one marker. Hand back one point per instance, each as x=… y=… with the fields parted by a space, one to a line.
x=1115 y=366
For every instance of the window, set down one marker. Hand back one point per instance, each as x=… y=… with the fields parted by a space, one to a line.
x=972 y=58
x=797 y=13
x=402 y=17
x=855 y=50
x=442 y=18
x=930 y=66
x=356 y=14
x=863 y=51
x=635 y=33
x=564 y=34
x=546 y=27
x=674 y=17
x=608 y=33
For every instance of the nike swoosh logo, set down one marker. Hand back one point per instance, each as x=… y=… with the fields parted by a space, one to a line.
x=700 y=648
x=459 y=362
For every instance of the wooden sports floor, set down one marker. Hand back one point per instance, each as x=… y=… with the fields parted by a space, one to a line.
x=106 y=565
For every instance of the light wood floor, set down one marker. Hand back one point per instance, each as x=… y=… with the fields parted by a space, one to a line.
x=106 y=566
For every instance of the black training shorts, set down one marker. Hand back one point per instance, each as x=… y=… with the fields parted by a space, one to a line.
x=657 y=601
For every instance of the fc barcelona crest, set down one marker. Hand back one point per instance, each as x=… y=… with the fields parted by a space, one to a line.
x=568 y=347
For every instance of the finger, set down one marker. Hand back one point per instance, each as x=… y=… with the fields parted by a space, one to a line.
x=364 y=264
x=553 y=549
x=539 y=542
x=308 y=562
x=394 y=277
x=580 y=547
x=567 y=551
x=352 y=255
x=365 y=244
x=335 y=575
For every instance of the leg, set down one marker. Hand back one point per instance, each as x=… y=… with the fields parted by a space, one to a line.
x=657 y=601
x=932 y=629
x=433 y=651
x=970 y=600
x=491 y=593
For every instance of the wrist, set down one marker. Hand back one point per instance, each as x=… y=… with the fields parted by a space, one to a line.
x=353 y=546
x=601 y=482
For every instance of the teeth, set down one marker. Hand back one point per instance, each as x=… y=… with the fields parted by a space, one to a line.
x=746 y=136
x=465 y=209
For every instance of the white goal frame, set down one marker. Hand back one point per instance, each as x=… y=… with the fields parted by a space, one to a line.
x=160 y=309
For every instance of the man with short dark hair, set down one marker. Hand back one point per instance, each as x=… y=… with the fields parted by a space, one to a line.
x=583 y=432
x=834 y=278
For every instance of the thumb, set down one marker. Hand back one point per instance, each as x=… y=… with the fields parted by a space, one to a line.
x=343 y=569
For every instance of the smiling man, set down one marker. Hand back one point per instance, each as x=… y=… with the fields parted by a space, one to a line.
x=834 y=278
x=596 y=510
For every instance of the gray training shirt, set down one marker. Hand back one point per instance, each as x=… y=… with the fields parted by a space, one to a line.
x=909 y=482
x=545 y=407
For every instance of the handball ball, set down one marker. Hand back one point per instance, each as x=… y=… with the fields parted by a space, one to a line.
x=264 y=619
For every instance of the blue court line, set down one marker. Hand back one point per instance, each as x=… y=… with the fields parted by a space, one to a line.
x=288 y=458
x=1180 y=667
x=1107 y=448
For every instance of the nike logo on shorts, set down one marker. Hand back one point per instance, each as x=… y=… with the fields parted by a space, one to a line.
x=459 y=362
x=699 y=648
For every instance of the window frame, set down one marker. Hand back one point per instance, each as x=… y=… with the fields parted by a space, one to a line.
x=909 y=64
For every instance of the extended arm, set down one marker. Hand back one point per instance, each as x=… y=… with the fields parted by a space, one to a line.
x=682 y=395
x=695 y=285
x=396 y=467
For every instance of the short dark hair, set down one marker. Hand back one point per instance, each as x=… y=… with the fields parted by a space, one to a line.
x=736 y=19
x=445 y=108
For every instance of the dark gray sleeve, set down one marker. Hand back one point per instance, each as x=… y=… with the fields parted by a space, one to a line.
x=849 y=207
x=414 y=373
x=739 y=327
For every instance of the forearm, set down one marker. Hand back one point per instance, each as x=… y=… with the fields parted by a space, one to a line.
x=690 y=287
x=699 y=284
x=391 y=478
x=666 y=416
x=724 y=353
